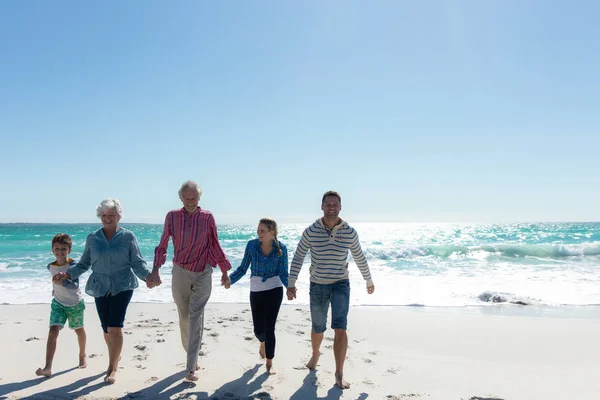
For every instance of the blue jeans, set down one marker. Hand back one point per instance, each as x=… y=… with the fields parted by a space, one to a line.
x=321 y=295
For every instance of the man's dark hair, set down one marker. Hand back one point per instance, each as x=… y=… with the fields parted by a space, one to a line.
x=331 y=193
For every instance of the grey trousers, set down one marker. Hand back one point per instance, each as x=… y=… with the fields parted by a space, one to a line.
x=191 y=291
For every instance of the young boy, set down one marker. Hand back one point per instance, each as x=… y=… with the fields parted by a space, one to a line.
x=67 y=304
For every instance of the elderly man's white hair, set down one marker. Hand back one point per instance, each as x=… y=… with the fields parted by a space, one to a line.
x=110 y=204
x=190 y=185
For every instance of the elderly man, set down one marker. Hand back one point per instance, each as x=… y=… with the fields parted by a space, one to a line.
x=197 y=252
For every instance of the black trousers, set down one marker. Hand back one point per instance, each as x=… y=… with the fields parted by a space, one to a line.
x=265 y=308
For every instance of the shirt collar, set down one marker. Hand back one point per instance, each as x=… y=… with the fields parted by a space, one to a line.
x=187 y=213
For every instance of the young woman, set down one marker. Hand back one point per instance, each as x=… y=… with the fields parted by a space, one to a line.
x=268 y=260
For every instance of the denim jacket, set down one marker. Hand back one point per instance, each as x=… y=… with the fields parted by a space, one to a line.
x=113 y=263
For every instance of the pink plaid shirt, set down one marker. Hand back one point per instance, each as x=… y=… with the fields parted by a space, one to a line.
x=195 y=241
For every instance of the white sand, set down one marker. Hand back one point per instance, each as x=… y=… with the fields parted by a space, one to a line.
x=395 y=353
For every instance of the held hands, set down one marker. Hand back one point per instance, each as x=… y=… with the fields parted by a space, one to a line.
x=291 y=293
x=225 y=281
x=59 y=277
x=153 y=280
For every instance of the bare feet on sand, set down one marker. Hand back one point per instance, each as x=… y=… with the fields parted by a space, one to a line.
x=191 y=376
x=82 y=362
x=312 y=363
x=269 y=365
x=341 y=382
x=261 y=351
x=43 y=372
x=110 y=377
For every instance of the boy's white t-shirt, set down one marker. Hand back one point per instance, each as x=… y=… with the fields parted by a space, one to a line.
x=69 y=295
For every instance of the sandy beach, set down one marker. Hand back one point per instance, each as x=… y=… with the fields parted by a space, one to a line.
x=394 y=353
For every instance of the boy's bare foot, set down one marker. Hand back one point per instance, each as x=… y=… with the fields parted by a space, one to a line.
x=341 y=382
x=191 y=376
x=269 y=366
x=110 y=377
x=82 y=362
x=261 y=352
x=43 y=372
x=312 y=363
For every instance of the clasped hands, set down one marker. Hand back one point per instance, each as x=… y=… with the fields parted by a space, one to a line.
x=225 y=281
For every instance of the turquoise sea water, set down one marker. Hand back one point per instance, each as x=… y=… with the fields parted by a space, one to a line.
x=550 y=264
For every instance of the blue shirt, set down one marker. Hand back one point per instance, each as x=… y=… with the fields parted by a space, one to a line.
x=263 y=266
x=113 y=263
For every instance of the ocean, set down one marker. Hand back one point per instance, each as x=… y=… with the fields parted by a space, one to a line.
x=441 y=265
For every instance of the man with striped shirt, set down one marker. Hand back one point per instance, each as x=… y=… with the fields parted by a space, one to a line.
x=329 y=239
x=197 y=252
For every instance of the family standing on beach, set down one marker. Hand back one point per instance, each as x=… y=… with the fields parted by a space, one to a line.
x=113 y=255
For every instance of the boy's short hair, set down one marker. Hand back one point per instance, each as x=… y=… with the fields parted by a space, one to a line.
x=63 y=238
x=331 y=193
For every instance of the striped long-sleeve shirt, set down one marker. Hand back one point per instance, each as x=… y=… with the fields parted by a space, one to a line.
x=195 y=241
x=329 y=254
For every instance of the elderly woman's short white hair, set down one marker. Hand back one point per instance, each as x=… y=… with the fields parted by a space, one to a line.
x=190 y=185
x=108 y=205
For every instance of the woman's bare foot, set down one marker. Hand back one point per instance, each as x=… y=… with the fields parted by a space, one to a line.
x=261 y=352
x=312 y=363
x=341 y=382
x=269 y=366
x=43 y=372
x=110 y=377
x=191 y=376
x=82 y=362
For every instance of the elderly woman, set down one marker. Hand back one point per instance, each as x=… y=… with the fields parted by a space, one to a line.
x=114 y=256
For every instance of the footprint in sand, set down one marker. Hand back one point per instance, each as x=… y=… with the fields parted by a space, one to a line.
x=128 y=333
x=213 y=334
x=328 y=346
x=152 y=379
x=368 y=382
x=202 y=353
x=373 y=353
x=485 y=398
x=395 y=370
x=93 y=355
x=367 y=360
x=248 y=338
x=140 y=347
x=139 y=366
x=300 y=333
x=140 y=357
x=160 y=340
x=32 y=338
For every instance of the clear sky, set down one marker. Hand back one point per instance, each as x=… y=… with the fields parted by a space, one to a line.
x=415 y=111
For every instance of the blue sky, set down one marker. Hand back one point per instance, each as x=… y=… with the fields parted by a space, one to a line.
x=423 y=111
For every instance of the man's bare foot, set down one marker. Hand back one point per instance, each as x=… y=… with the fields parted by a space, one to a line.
x=43 y=372
x=82 y=362
x=269 y=365
x=191 y=376
x=341 y=382
x=312 y=363
x=261 y=351
x=110 y=377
